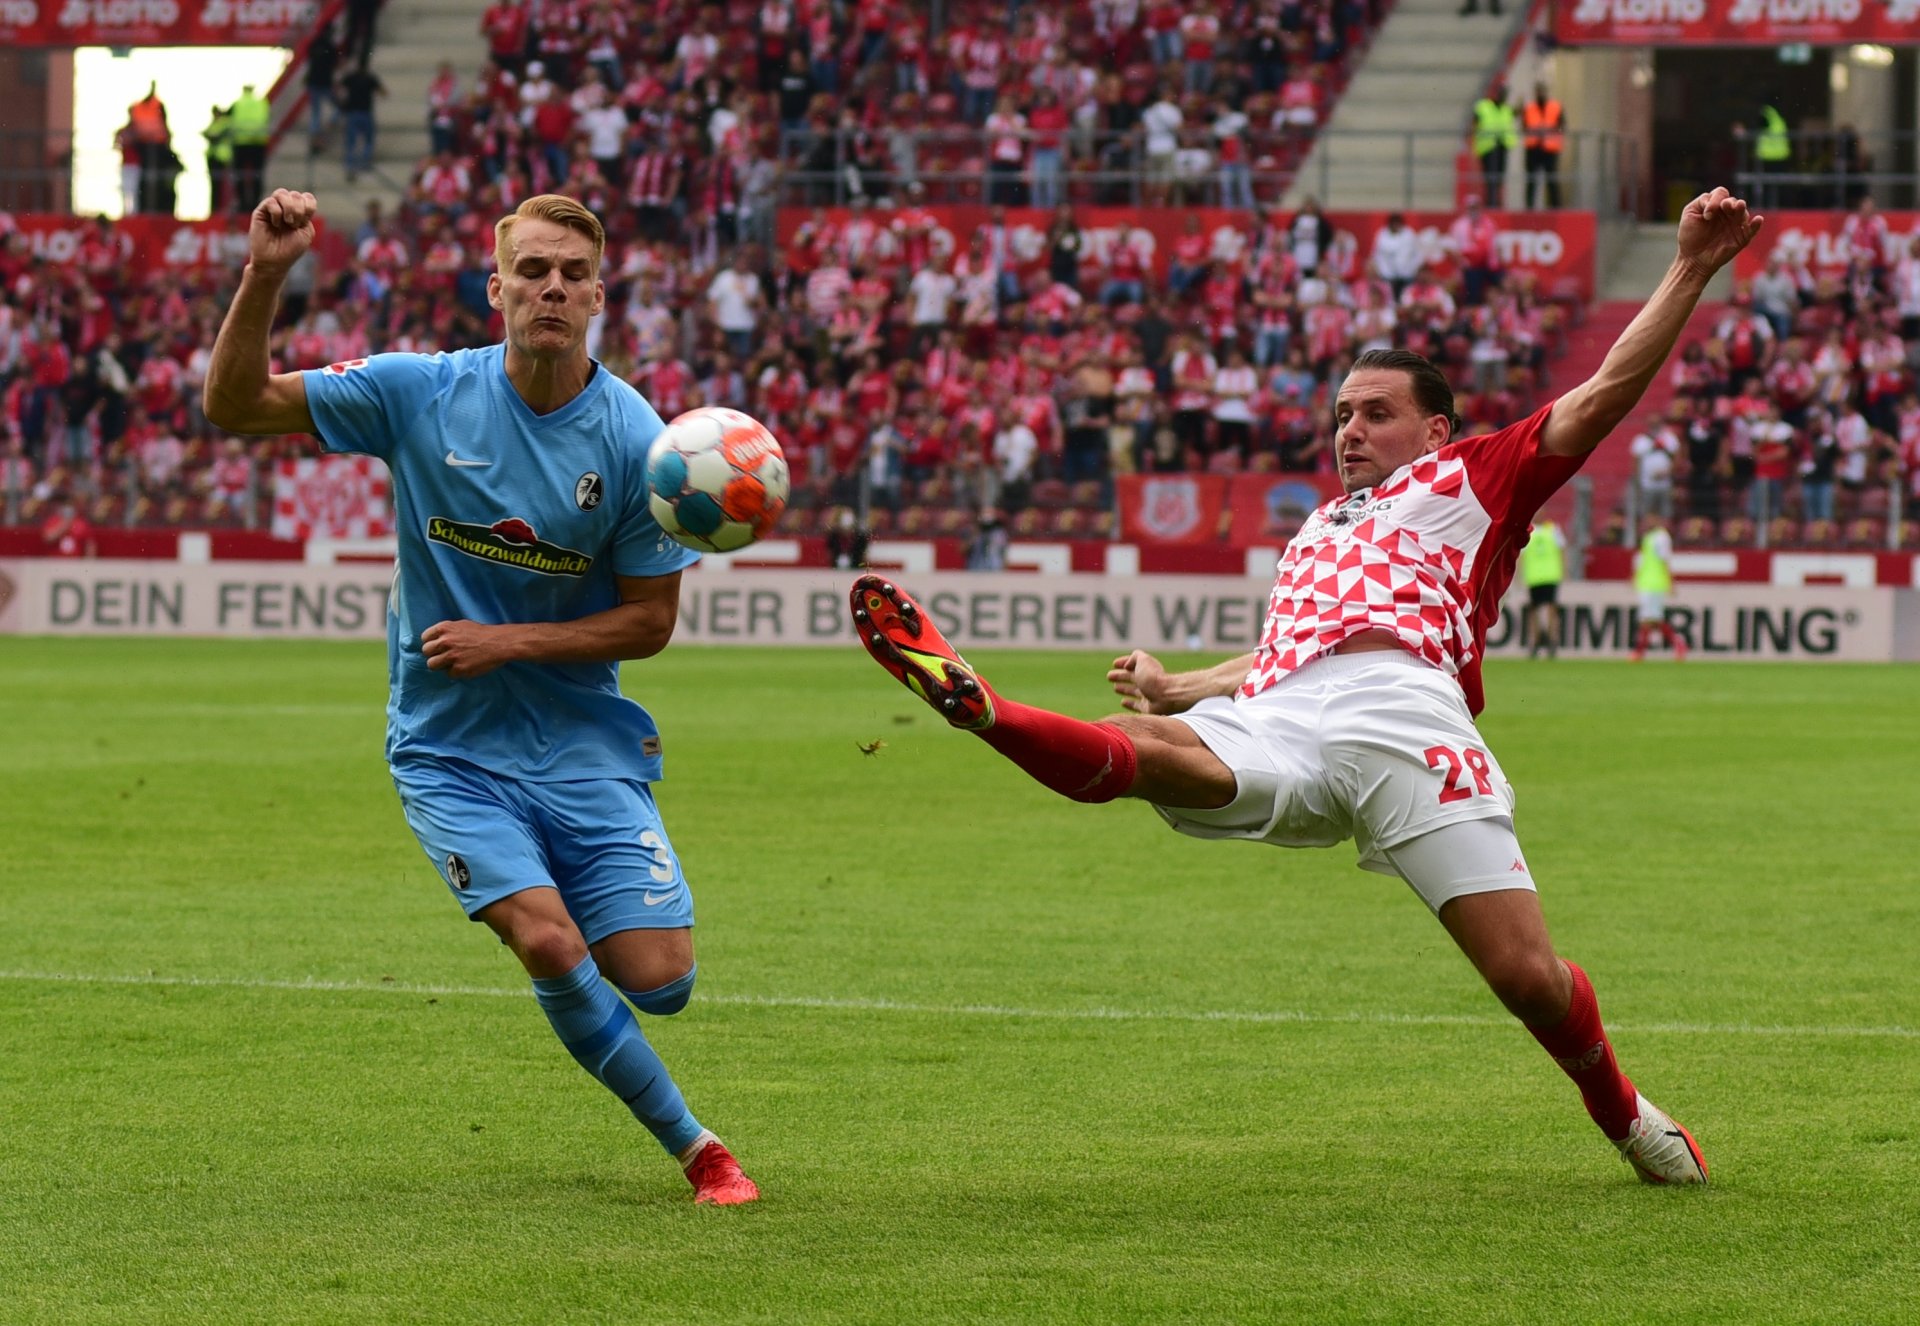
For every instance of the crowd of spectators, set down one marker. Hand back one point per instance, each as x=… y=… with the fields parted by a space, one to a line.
x=920 y=385
x=856 y=347
x=925 y=387
x=1799 y=415
x=100 y=375
x=701 y=118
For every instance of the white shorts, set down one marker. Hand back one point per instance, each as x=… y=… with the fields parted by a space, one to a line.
x=1377 y=747
x=1653 y=607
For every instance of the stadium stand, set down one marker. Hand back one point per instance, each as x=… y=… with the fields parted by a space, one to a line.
x=916 y=389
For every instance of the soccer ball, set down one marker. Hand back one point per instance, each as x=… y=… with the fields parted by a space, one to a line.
x=716 y=479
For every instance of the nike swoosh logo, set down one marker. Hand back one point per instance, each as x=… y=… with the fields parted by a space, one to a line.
x=465 y=464
x=650 y=900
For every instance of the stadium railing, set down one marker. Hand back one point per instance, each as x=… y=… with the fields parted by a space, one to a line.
x=1835 y=169
x=1371 y=169
x=36 y=171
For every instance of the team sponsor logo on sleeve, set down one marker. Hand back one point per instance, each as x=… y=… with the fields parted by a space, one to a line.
x=510 y=542
x=588 y=490
x=344 y=366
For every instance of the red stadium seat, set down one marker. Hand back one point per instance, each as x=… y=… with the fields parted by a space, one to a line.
x=1866 y=532
x=1050 y=493
x=952 y=522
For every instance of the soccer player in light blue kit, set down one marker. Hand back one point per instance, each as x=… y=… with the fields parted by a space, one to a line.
x=529 y=567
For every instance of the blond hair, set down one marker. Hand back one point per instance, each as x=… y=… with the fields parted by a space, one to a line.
x=554 y=207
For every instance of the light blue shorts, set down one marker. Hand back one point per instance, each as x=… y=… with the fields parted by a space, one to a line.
x=599 y=842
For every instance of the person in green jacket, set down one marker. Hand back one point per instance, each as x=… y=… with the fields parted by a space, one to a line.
x=219 y=136
x=252 y=131
x=1772 y=147
x=1496 y=132
x=1653 y=581
x=1543 y=565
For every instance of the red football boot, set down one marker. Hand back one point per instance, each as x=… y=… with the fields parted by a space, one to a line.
x=717 y=1178
x=906 y=643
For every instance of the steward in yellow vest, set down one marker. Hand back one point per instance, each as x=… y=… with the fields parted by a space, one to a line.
x=1495 y=133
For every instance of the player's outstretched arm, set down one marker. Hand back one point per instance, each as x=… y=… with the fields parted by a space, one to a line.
x=639 y=626
x=242 y=394
x=1713 y=228
x=1146 y=687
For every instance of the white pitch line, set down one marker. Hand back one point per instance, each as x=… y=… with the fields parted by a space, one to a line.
x=856 y=1005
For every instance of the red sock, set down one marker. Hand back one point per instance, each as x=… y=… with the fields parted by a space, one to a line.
x=1580 y=1046
x=1083 y=761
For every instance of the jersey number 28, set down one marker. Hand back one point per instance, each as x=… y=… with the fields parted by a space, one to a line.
x=1473 y=761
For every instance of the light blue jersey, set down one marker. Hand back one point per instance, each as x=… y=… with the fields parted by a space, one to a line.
x=504 y=515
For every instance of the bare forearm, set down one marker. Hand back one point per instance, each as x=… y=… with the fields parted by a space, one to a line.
x=237 y=374
x=1189 y=688
x=1588 y=413
x=627 y=631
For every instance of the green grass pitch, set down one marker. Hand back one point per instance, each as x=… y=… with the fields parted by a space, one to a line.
x=993 y=1057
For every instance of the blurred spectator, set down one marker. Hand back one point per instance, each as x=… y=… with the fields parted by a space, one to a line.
x=1494 y=135
x=359 y=86
x=1475 y=239
x=323 y=69
x=1545 y=122
x=252 y=120
x=847 y=540
x=65 y=532
x=148 y=129
x=736 y=300
x=988 y=549
x=1655 y=453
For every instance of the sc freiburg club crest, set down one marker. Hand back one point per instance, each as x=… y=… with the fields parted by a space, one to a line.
x=587 y=491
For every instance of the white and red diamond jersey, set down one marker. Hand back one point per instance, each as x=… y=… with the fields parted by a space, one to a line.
x=1425 y=555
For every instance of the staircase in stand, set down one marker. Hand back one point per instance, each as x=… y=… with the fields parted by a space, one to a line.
x=413 y=37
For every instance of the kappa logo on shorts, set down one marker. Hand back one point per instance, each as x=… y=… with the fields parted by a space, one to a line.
x=587 y=491
x=457 y=873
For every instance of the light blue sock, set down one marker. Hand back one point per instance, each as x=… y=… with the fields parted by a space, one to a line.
x=600 y=1031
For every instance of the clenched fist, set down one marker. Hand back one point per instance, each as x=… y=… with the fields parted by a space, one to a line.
x=281 y=230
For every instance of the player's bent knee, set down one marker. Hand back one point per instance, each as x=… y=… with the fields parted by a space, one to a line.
x=547 y=949
x=665 y=1000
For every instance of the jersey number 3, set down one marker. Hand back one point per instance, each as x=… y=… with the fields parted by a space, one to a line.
x=662 y=868
x=1473 y=761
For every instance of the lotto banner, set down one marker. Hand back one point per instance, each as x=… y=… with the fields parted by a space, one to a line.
x=331 y=497
x=142 y=244
x=154 y=22
x=1821 y=241
x=1734 y=22
x=1555 y=248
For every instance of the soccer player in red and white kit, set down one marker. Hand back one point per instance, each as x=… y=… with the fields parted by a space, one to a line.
x=1354 y=716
